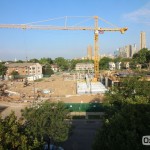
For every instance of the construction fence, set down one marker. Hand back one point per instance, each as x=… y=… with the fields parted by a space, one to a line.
x=86 y=107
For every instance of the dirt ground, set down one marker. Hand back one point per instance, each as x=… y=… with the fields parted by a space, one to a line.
x=59 y=89
x=7 y=107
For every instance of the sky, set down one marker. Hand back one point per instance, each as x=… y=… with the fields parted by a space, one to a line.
x=19 y=44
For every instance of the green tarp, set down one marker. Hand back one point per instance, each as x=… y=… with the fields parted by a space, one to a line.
x=85 y=107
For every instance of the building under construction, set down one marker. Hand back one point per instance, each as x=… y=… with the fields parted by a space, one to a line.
x=89 y=87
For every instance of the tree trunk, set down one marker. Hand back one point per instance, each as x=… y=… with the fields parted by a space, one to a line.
x=49 y=142
x=149 y=66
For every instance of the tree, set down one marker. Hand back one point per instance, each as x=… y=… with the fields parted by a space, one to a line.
x=142 y=57
x=127 y=119
x=62 y=63
x=34 y=60
x=130 y=88
x=11 y=134
x=14 y=136
x=124 y=130
x=148 y=59
x=117 y=59
x=15 y=74
x=47 y=122
x=19 y=61
x=3 y=70
x=46 y=61
x=104 y=63
x=47 y=71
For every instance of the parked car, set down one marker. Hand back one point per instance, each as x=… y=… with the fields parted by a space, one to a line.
x=52 y=147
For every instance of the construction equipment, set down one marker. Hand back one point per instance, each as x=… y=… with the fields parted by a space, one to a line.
x=96 y=30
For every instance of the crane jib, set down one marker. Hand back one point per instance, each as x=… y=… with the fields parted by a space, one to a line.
x=97 y=30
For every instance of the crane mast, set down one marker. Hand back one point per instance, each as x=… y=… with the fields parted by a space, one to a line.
x=96 y=30
x=96 y=50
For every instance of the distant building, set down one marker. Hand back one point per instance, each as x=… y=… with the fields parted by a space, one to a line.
x=142 y=40
x=116 y=53
x=112 y=66
x=138 y=66
x=127 y=51
x=126 y=65
x=55 y=67
x=134 y=50
x=118 y=65
x=77 y=58
x=32 y=71
x=85 y=67
x=89 y=52
x=84 y=58
x=106 y=55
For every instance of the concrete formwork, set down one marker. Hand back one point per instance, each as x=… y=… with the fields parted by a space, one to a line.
x=92 y=88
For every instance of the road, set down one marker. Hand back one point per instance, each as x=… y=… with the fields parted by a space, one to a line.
x=83 y=135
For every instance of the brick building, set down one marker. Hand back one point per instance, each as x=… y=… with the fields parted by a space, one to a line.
x=32 y=71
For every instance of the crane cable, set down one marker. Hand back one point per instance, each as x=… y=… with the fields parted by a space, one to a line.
x=107 y=22
x=67 y=17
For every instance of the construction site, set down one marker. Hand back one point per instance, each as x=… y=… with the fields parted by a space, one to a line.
x=56 y=88
x=67 y=88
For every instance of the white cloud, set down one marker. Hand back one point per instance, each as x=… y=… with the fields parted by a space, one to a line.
x=141 y=15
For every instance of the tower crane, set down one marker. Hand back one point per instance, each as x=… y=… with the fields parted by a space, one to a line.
x=96 y=30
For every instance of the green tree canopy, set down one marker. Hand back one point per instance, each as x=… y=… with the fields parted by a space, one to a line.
x=62 y=63
x=142 y=57
x=15 y=74
x=47 y=71
x=34 y=60
x=19 y=61
x=104 y=63
x=47 y=122
x=3 y=69
x=14 y=136
x=128 y=91
x=125 y=129
x=46 y=61
x=127 y=118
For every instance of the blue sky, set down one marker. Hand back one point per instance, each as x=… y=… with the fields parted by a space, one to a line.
x=18 y=43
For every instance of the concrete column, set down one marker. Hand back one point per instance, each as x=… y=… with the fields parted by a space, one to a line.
x=74 y=77
x=78 y=75
x=112 y=83
x=106 y=82
x=101 y=78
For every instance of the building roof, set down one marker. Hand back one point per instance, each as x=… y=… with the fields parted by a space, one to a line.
x=20 y=65
x=54 y=65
